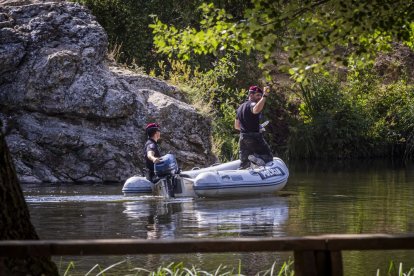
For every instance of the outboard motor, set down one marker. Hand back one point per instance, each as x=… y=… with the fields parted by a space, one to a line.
x=167 y=168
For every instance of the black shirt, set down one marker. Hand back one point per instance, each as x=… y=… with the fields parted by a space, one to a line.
x=151 y=145
x=249 y=122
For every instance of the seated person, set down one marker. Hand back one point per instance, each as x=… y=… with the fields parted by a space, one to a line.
x=151 y=149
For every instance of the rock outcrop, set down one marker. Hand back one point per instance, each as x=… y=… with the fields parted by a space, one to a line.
x=68 y=115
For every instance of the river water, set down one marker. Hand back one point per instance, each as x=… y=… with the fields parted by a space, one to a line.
x=334 y=198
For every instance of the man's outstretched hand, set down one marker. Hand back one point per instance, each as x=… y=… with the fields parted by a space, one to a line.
x=266 y=90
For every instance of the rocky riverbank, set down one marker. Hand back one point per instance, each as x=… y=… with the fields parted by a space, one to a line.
x=71 y=116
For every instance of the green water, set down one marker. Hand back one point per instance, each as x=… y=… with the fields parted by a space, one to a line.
x=334 y=198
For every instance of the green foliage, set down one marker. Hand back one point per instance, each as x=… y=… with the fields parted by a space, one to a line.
x=312 y=33
x=70 y=266
x=126 y=23
x=393 y=111
x=215 y=34
x=209 y=93
x=285 y=270
x=330 y=123
x=359 y=118
x=393 y=270
x=179 y=269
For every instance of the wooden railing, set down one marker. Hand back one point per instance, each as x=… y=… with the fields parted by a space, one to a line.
x=313 y=255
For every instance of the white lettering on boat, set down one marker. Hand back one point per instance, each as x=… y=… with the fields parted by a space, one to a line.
x=270 y=173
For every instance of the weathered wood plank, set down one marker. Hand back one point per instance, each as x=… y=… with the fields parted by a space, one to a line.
x=336 y=263
x=369 y=242
x=136 y=246
x=305 y=263
x=323 y=263
x=320 y=263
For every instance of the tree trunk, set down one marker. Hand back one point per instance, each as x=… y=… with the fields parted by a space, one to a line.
x=15 y=220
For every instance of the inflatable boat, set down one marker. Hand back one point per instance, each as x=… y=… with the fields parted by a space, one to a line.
x=221 y=180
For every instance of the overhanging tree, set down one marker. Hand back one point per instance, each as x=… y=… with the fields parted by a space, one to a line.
x=312 y=33
x=126 y=23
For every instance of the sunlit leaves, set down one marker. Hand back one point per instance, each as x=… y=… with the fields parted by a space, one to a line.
x=410 y=40
x=310 y=32
x=217 y=33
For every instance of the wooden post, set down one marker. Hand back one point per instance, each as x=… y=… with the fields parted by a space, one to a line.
x=318 y=263
x=305 y=263
x=2 y=265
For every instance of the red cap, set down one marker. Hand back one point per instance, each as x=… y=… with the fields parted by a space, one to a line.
x=255 y=89
x=152 y=125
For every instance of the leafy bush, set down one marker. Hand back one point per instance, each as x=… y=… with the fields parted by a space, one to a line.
x=209 y=92
x=330 y=124
x=127 y=24
x=358 y=118
x=392 y=108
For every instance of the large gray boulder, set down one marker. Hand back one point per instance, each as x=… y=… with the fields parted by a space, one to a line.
x=70 y=116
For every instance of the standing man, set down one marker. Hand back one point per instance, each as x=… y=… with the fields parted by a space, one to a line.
x=151 y=149
x=253 y=147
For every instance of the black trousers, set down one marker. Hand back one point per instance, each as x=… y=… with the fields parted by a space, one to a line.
x=150 y=176
x=253 y=144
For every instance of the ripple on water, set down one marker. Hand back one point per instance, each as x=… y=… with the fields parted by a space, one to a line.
x=80 y=198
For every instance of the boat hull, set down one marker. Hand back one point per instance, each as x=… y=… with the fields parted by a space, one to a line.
x=137 y=185
x=261 y=180
x=222 y=180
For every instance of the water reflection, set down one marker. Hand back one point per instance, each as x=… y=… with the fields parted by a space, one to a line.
x=342 y=198
x=158 y=217
x=242 y=217
x=208 y=218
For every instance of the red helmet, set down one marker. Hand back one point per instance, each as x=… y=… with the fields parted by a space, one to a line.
x=255 y=89
x=152 y=125
x=152 y=128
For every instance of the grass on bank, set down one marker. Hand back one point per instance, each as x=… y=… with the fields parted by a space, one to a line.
x=397 y=270
x=179 y=269
x=176 y=269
